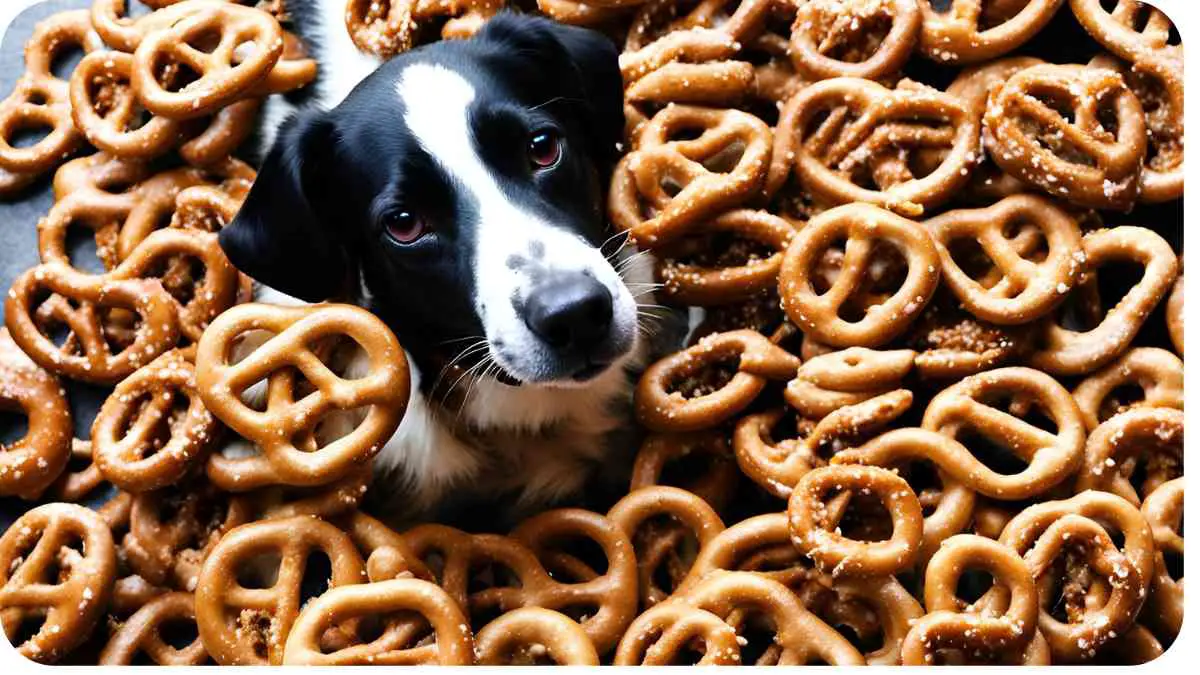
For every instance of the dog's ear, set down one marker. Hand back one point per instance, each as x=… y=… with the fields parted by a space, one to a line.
x=279 y=237
x=582 y=61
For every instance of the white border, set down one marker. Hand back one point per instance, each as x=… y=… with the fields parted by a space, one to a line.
x=1186 y=15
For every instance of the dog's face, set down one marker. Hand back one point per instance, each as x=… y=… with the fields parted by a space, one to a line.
x=461 y=185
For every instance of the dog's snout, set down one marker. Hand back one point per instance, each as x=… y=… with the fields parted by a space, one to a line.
x=570 y=311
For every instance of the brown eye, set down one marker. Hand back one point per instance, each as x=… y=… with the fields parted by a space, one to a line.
x=544 y=149
x=403 y=226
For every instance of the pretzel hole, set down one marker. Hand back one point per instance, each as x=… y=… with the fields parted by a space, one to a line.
x=689 y=469
x=178 y=633
x=259 y=571
x=1174 y=560
x=32 y=621
x=14 y=424
x=726 y=159
x=972 y=584
x=1121 y=399
x=706 y=379
x=318 y=575
x=689 y=652
x=856 y=621
x=173 y=76
x=717 y=250
x=848 y=35
x=27 y=132
x=923 y=477
x=85 y=252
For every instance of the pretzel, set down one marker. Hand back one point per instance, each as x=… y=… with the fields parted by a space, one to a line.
x=1077 y=159
x=865 y=139
x=1065 y=351
x=667 y=398
x=1156 y=372
x=1134 y=647
x=140 y=634
x=372 y=536
x=861 y=226
x=846 y=377
x=99 y=174
x=104 y=109
x=1175 y=313
x=660 y=634
x=1118 y=30
x=80 y=479
x=30 y=464
x=122 y=32
x=746 y=267
x=39 y=100
x=386 y=29
x=952 y=623
x=973 y=405
x=226 y=132
x=659 y=454
x=658 y=20
x=90 y=358
x=857 y=38
x=1163 y=510
x=250 y=626
x=577 y=12
x=958 y=33
x=286 y=431
x=1027 y=288
x=39 y=542
x=667 y=184
x=523 y=635
x=952 y=344
x=13 y=183
x=1151 y=438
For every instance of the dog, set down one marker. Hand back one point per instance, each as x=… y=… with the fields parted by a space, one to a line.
x=457 y=191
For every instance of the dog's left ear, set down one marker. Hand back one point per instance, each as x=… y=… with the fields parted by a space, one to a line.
x=582 y=61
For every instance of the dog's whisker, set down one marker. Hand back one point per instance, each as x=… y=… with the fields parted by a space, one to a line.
x=471 y=349
x=608 y=241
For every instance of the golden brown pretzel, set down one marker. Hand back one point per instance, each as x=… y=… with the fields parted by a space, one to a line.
x=76 y=543
x=89 y=357
x=250 y=626
x=959 y=33
x=1163 y=510
x=658 y=20
x=80 y=479
x=105 y=110
x=1150 y=439
x=393 y=26
x=643 y=197
x=40 y=99
x=140 y=634
x=825 y=383
x=667 y=398
x=660 y=455
x=1156 y=372
x=864 y=228
x=866 y=129
x=659 y=635
x=1135 y=31
x=1175 y=312
x=453 y=642
x=30 y=464
x=853 y=38
x=1065 y=351
x=1078 y=158
x=284 y=432
x=526 y=635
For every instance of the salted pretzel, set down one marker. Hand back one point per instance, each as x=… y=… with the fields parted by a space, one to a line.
x=691 y=274
x=13 y=183
x=1078 y=159
x=31 y=463
x=673 y=395
x=100 y=174
x=578 y=12
x=846 y=377
x=88 y=357
x=959 y=33
x=813 y=522
x=40 y=100
x=141 y=634
x=323 y=501
x=372 y=536
x=285 y=432
x=658 y=20
x=529 y=634
x=1133 y=30
x=662 y=633
x=952 y=344
x=1156 y=372
x=1027 y=288
x=868 y=130
x=120 y=30
x=993 y=404
x=1163 y=510
x=864 y=228
x=74 y=543
x=80 y=479
x=664 y=457
x=250 y=626
x=712 y=83
x=1175 y=313
x=952 y=623
x=853 y=38
x=1149 y=439
x=1066 y=351
x=105 y=110
x=668 y=183
x=387 y=28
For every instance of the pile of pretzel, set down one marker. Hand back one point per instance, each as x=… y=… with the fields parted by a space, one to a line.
x=920 y=423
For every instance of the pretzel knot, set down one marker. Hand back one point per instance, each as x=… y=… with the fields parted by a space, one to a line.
x=867 y=231
x=250 y=626
x=529 y=634
x=76 y=301
x=142 y=634
x=1143 y=442
x=29 y=464
x=851 y=140
x=41 y=101
x=854 y=38
x=58 y=562
x=662 y=634
x=289 y=431
x=962 y=33
x=1076 y=157
x=1069 y=351
x=674 y=396
x=667 y=184
x=1163 y=510
x=951 y=623
x=390 y=27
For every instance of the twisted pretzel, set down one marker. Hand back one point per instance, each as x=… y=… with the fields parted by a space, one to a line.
x=30 y=464
x=286 y=432
x=1119 y=30
x=250 y=626
x=1077 y=159
x=45 y=539
x=88 y=357
x=140 y=634
x=658 y=20
x=847 y=377
x=661 y=634
x=524 y=634
x=1149 y=437
x=388 y=28
x=958 y=33
x=1163 y=510
x=1156 y=372
x=864 y=228
x=659 y=454
x=667 y=398
x=105 y=110
x=853 y=38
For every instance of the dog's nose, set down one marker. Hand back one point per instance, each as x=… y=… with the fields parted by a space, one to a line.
x=570 y=311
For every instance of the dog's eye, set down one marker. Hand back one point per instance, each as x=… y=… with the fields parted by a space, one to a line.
x=544 y=149
x=404 y=226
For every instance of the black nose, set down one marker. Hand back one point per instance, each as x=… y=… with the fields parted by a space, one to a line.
x=570 y=311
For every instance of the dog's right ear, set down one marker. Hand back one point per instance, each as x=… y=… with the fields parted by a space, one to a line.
x=279 y=237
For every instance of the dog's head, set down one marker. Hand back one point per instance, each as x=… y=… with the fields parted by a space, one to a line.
x=460 y=186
